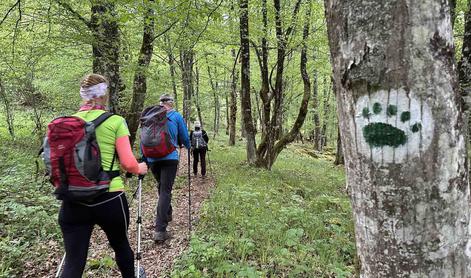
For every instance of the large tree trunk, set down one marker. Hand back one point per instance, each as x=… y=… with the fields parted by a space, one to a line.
x=106 y=48
x=140 y=75
x=402 y=126
x=246 y=105
x=464 y=66
x=233 y=106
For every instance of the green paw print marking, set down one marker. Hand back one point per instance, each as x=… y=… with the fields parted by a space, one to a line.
x=380 y=134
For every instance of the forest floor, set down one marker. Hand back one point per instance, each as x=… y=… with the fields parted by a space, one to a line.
x=157 y=259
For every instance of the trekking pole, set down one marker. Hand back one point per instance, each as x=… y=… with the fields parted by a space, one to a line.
x=189 y=194
x=140 y=272
x=60 y=267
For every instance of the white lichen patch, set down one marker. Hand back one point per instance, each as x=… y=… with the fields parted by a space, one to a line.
x=392 y=126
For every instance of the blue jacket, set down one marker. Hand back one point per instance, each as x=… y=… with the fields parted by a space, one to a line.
x=178 y=132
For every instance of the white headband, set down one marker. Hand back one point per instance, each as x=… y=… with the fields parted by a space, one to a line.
x=94 y=91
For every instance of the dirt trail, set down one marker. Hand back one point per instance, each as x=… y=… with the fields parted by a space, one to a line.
x=157 y=259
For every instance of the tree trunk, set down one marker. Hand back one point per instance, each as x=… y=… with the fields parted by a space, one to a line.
x=226 y=97
x=197 y=97
x=106 y=48
x=452 y=4
x=294 y=132
x=214 y=89
x=233 y=106
x=315 y=111
x=403 y=132
x=246 y=105
x=186 y=60
x=325 y=120
x=339 y=160
x=171 y=65
x=140 y=75
x=8 y=111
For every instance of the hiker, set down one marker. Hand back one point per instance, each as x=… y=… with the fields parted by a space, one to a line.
x=199 y=145
x=109 y=209
x=163 y=160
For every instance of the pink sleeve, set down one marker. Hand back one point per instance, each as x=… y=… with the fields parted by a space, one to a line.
x=126 y=157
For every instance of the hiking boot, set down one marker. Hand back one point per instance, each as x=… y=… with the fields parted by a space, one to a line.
x=161 y=237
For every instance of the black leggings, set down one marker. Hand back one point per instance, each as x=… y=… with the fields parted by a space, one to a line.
x=111 y=212
x=199 y=154
x=164 y=172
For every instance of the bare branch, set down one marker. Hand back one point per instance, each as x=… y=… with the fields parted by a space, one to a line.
x=9 y=11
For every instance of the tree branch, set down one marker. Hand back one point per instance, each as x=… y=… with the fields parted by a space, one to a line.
x=74 y=13
x=9 y=11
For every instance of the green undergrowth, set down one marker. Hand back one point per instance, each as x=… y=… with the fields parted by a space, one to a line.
x=293 y=221
x=28 y=210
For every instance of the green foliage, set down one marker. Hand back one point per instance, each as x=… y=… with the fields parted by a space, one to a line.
x=28 y=211
x=292 y=221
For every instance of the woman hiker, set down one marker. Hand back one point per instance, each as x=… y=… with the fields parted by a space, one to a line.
x=110 y=210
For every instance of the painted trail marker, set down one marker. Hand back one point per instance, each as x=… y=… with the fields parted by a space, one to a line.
x=392 y=126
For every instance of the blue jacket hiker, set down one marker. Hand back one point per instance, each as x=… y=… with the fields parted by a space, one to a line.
x=164 y=169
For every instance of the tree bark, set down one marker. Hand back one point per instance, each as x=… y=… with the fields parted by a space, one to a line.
x=246 y=105
x=315 y=111
x=197 y=96
x=233 y=106
x=325 y=120
x=140 y=75
x=186 y=60
x=214 y=89
x=403 y=132
x=339 y=159
x=464 y=66
x=171 y=65
x=106 y=48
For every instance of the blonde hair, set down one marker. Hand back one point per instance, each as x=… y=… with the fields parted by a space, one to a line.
x=91 y=80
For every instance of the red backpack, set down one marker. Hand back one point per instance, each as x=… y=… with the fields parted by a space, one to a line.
x=73 y=161
x=156 y=141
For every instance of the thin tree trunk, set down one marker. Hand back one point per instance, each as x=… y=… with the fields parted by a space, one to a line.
x=323 y=135
x=197 y=98
x=226 y=97
x=140 y=75
x=315 y=111
x=8 y=111
x=339 y=159
x=186 y=60
x=171 y=65
x=246 y=105
x=106 y=48
x=214 y=89
x=403 y=131
x=233 y=106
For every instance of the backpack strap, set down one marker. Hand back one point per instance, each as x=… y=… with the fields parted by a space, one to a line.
x=98 y=121
x=103 y=117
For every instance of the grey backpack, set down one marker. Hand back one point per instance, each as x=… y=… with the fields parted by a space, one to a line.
x=197 y=141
